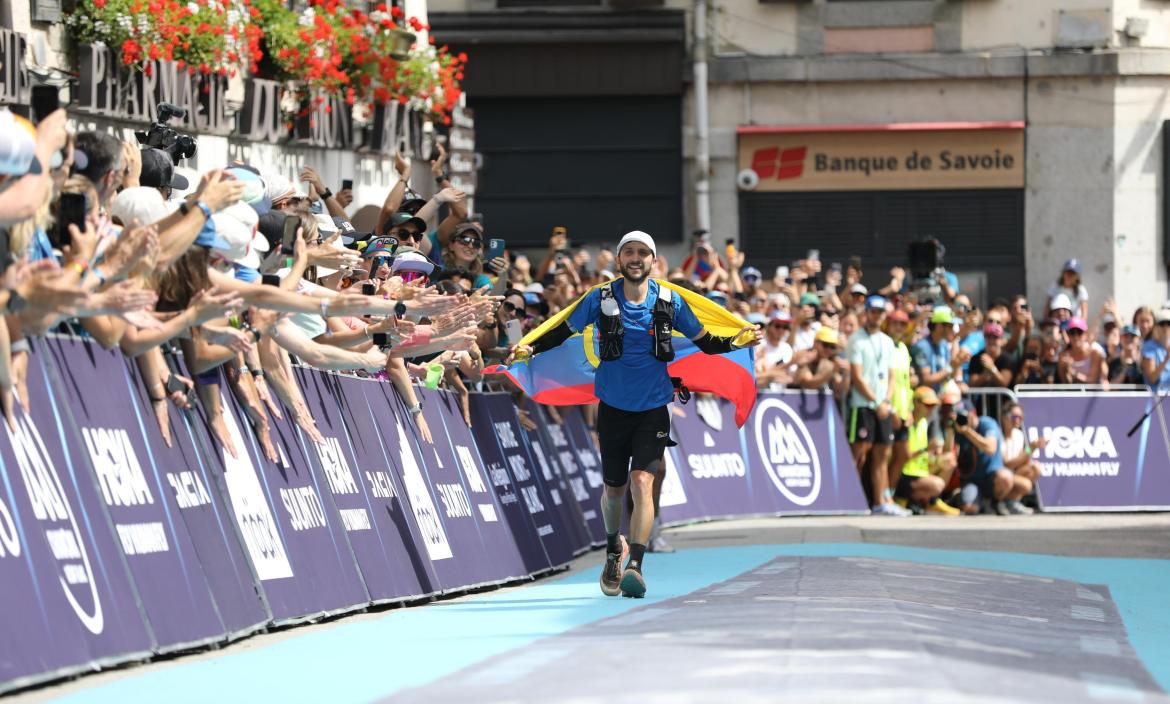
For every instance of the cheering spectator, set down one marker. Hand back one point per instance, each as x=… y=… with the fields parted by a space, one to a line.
x=871 y=358
x=807 y=322
x=1143 y=320
x=1020 y=327
x=775 y=355
x=931 y=461
x=1033 y=369
x=992 y=366
x=1069 y=285
x=825 y=368
x=1081 y=363
x=933 y=356
x=1156 y=354
x=1060 y=307
x=1017 y=451
x=1126 y=367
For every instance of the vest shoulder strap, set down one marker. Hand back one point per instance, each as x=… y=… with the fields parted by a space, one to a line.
x=665 y=294
x=606 y=291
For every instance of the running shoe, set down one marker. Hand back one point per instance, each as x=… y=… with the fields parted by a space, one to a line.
x=942 y=509
x=659 y=544
x=611 y=571
x=889 y=510
x=1016 y=508
x=633 y=584
x=1001 y=508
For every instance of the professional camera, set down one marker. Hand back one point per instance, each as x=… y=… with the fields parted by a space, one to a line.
x=962 y=418
x=163 y=136
x=926 y=265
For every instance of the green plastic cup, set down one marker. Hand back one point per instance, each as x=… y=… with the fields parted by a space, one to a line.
x=434 y=375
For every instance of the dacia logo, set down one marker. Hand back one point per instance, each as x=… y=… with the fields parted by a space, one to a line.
x=1076 y=443
x=787 y=452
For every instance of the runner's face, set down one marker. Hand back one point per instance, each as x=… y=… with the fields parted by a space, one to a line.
x=634 y=261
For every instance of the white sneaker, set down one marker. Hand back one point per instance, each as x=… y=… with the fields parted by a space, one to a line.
x=659 y=544
x=889 y=510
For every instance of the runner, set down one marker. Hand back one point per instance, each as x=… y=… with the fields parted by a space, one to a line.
x=634 y=318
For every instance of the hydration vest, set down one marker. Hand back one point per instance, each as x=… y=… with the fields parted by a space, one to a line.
x=612 y=333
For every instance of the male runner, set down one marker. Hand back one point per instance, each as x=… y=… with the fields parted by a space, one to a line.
x=633 y=421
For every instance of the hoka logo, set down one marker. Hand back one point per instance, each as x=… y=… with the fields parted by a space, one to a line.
x=784 y=445
x=1077 y=442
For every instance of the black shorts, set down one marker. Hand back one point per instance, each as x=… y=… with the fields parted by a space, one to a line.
x=902 y=434
x=864 y=426
x=641 y=436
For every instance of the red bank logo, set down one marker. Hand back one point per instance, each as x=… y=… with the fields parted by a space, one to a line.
x=781 y=164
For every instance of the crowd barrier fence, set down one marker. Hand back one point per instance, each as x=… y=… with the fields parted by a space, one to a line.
x=115 y=547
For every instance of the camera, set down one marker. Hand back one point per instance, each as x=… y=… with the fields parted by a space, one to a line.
x=162 y=136
x=926 y=265
x=962 y=418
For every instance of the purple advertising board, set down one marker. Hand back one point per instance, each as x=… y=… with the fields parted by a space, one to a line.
x=193 y=488
x=68 y=601
x=374 y=439
x=510 y=471
x=1089 y=463
x=556 y=486
x=290 y=525
x=790 y=458
x=336 y=462
x=465 y=493
x=106 y=439
x=560 y=443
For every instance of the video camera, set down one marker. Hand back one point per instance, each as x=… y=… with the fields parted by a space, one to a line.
x=168 y=139
x=926 y=265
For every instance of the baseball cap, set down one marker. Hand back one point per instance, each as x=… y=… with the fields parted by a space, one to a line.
x=827 y=335
x=750 y=271
x=1060 y=301
x=1162 y=316
x=942 y=315
x=279 y=189
x=380 y=247
x=1131 y=330
x=473 y=227
x=898 y=316
x=993 y=330
x=255 y=190
x=349 y=233
x=637 y=236
x=926 y=395
x=875 y=302
x=756 y=318
x=18 y=145
x=965 y=405
x=412 y=205
x=535 y=287
x=140 y=204
x=950 y=392
x=410 y=259
x=780 y=316
x=158 y=171
x=858 y=288
x=399 y=219
x=1077 y=324
x=1072 y=265
x=717 y=296
x=810 y=299
x=236 y=225
x=531 y=299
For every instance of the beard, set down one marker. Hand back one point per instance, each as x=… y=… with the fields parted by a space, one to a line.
x=635 y=277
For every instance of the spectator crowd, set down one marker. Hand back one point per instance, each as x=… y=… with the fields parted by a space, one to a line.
x=224 y=279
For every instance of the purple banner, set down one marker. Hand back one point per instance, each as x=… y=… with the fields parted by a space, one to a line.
x=289 y=523
x=512 y=473
x=1089 y=463
x=335 y=461
x=790 y=458
x=553 y=477
x=68 y=598
x=589 y=500
x=457 y=478
x=107 y=439
x=194 y=490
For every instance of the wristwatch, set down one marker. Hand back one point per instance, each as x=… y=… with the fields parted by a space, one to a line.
x=440 y=178
x=415 y=409
x=326 y=194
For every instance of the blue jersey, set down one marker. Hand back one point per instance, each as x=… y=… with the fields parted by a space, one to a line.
x=1152 y=349
x=933 y=357
x=636 y=381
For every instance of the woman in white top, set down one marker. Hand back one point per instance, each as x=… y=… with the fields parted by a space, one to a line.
x=1017 y=450
x=1069 y=283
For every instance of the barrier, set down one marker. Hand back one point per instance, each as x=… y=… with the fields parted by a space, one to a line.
x=115 y=547
x=790 y=458
x=1089 y=463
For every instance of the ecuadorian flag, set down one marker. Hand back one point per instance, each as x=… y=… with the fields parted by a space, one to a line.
x=563 y=376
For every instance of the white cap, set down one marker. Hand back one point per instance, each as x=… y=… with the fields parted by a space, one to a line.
x=140 y=204
x=534 y=287
x=412 y=260
x=638 y=236
x=325 y=225
x=236 y=224
x=1060 y=301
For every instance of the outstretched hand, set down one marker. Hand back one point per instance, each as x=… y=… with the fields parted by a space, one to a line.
x=750 y=335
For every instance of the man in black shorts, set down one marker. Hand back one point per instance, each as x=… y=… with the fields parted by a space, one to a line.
x=633 y=318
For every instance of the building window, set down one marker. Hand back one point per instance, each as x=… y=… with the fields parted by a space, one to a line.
x=547 y=3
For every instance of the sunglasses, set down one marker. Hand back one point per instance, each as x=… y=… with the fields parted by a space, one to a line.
x=409 y=276
x=511 y=307
x=1164 y=323
x=1075 y=332
x=407 y=235
x=1016 y=416
x=778 y=326
x=473 y=242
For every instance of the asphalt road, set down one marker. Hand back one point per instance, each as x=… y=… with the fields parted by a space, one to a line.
x=1069 y=608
